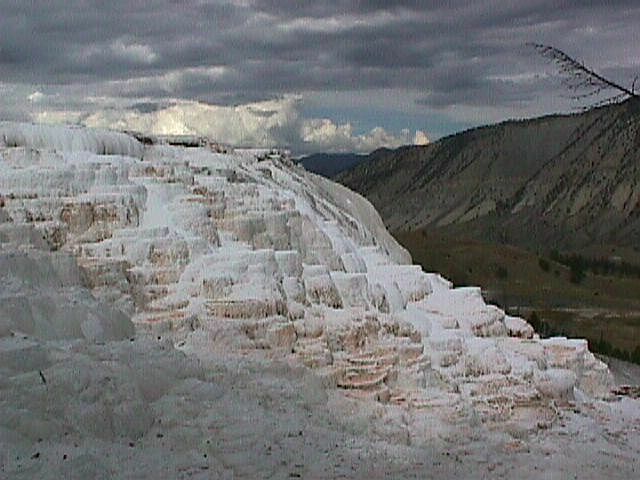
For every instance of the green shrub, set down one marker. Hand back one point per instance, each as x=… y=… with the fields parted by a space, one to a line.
x=577 y=273
x=544 y=264
x=502 y=272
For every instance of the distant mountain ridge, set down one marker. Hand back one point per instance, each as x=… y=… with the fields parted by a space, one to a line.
x=331 y=164
x=565 y=181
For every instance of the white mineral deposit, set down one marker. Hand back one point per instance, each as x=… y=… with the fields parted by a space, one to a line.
x=173 y=312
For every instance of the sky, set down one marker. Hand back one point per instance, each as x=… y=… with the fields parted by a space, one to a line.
x=306 y=75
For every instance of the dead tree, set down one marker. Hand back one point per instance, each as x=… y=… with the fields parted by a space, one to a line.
x=584 y=81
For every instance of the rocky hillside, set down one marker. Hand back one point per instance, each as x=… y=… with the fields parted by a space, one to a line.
x=563 y=181
x=175 y=312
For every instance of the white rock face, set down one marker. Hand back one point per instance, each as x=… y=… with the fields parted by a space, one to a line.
x=232 y=260
x=68 y=139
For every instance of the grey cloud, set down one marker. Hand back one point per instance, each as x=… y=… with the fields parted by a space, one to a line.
x=148 y=107
x=456 y=52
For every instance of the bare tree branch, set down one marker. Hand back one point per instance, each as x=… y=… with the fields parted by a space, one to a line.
x=584 y=81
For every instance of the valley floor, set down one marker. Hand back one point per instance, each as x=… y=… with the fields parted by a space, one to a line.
x=599 y=307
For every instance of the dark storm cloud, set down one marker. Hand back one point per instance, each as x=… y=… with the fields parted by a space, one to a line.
x=456 y=52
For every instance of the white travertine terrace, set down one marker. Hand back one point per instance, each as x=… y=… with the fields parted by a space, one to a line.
x=246 y=254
